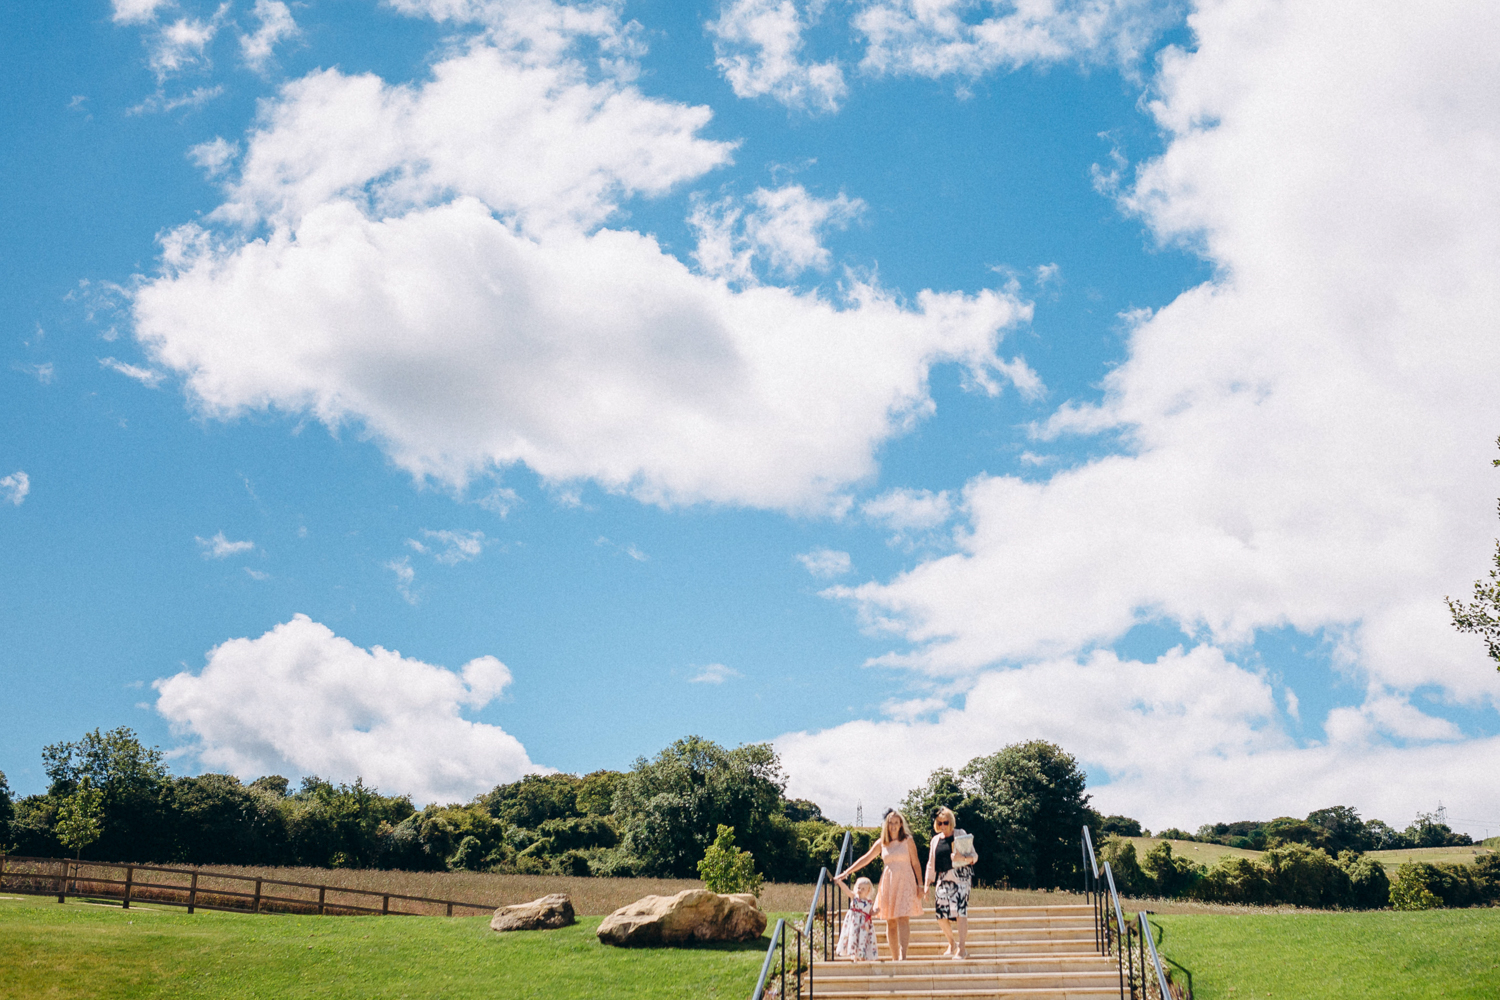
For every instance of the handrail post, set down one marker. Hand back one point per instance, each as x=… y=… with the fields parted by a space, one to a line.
x=1161 y=975
x=129 y=879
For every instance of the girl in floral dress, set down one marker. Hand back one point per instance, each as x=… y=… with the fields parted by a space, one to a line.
x=857 y=939
x=899 y=897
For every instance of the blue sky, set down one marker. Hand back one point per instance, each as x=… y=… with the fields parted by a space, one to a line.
x=889 y=381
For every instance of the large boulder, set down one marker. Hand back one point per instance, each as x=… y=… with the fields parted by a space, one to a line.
x=691 y=916
x=542 y=914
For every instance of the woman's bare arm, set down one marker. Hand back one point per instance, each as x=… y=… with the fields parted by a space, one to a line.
x=856 y=866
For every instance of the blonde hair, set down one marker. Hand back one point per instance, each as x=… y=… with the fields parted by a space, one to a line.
x=860 y=884
x=885 y=828
x=947 y=814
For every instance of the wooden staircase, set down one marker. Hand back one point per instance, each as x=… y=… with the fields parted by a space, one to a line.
x=1015 y=953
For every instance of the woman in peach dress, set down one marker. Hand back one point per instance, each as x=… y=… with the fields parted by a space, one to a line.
x=899 y=898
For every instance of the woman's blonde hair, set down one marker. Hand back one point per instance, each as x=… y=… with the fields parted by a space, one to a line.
x=885 y=828
x=947 y=814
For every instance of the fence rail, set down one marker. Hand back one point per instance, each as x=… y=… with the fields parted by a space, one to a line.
x=205 y=890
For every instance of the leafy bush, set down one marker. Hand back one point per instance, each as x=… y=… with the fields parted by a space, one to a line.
x=725 y=868
x=1410 y=892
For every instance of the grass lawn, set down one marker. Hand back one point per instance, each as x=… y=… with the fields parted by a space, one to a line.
x=82 y=950
x=1447 y=954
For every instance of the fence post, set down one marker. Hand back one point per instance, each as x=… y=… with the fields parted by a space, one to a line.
x=385 y=905
x=450 y=909
x=193 y=893
x=62 y=883
x=129 y=880
x=257 y=897
x=322 y=890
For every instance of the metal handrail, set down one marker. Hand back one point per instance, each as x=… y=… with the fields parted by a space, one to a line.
x=804 y=932
x=765 y=967
x=1161 y=976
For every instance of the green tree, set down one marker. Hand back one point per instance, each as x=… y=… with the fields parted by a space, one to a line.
x=725 y=868
x=1342 y=828
x=669 y=807
x=79 y=818
x=131 y=777
x=217 y=820
x=7 y=813
x=1482 y=615
x=1034 y=799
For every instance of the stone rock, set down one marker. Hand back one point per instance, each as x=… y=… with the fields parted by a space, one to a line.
x=543 y=914
x=691 y=916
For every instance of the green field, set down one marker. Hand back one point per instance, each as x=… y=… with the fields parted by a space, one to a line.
x=1437 y=954
x=82 y=950
x=1208 y=854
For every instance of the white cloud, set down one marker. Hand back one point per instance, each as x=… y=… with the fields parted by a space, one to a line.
x=905 y=510
x=1307 y=436
x=936 y=38
x=215 y=156
x=256 y=574
x=714 y=673
x=1187 y=739
x=825 y=563
x=14 y=487
x=405 y=576
x=500 y=500
x=434 y=272
x=302 y=700
x=137 y=11
x=450 y=547
x=160 y=103
x=219 y=547
x=276 y=25
x=44 y=372
x=146 y=376
x=183 y=44
x=782 y=227
x=758 y=47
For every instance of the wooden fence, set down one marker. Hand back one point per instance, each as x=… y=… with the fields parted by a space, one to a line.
x=206 y=890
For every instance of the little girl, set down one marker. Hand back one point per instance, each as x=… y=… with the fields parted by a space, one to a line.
x=857 y=939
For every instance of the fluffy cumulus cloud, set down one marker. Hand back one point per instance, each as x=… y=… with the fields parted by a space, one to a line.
x=758 y=46
x=967 y=38
x=302 y=700
x=1305 y=440
x=1186 y=739
x=433 y=263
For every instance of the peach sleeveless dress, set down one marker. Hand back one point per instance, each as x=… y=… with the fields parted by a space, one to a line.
x=898 y=895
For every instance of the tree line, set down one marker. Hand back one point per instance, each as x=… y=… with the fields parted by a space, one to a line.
x=110 y=797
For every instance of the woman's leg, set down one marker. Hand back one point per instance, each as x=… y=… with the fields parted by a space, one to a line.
x=890 y=940
x=963 y=935
x=947 y=926
x=903 y=934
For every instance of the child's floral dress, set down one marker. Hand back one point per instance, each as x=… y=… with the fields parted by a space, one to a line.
x=857 y=939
